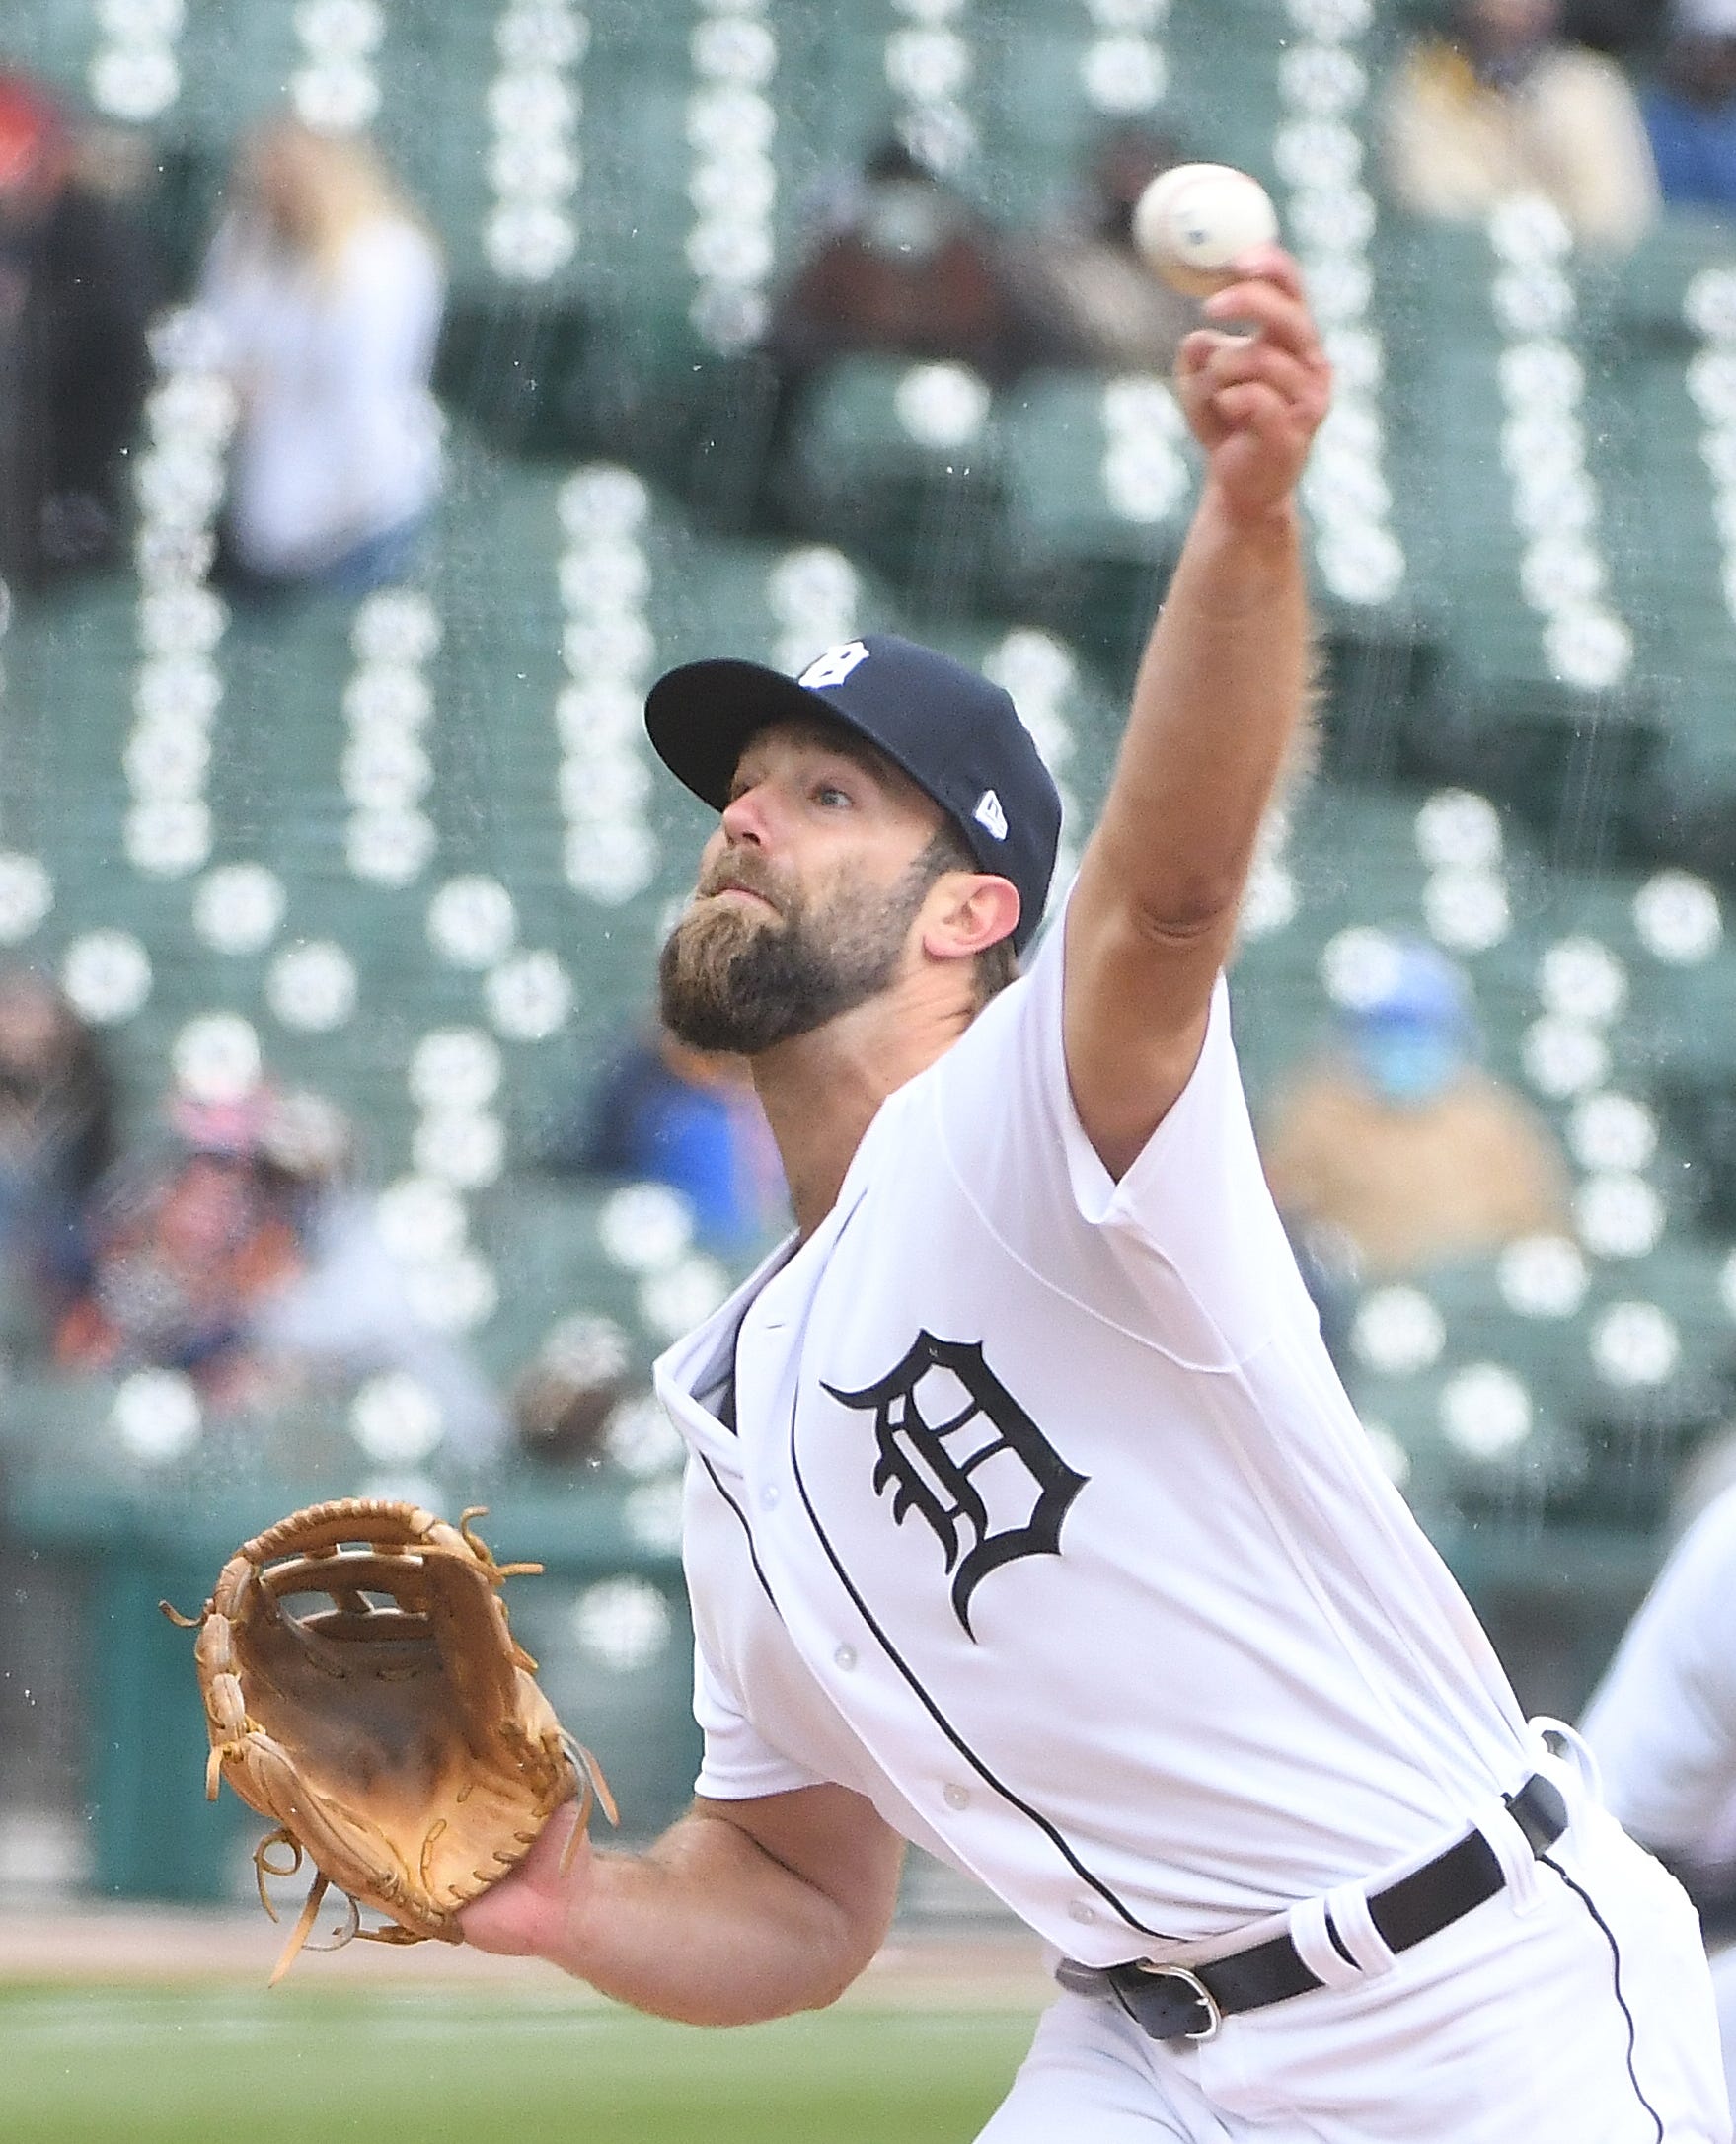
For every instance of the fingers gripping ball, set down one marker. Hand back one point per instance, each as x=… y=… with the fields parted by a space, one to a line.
x=363 y=1691
x=1193 y=221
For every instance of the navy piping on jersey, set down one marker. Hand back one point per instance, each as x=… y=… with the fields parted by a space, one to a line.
x=1608 y=1937
x=940 y=1718
x=753 y=1553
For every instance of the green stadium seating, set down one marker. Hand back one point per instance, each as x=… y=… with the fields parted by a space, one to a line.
x=901 y=461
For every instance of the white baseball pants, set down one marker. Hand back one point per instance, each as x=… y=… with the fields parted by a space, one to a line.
x=1572 y=2009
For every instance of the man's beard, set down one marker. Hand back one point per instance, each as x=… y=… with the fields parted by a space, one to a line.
x=731 y=980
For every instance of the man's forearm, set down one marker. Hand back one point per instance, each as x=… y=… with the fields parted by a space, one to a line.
x=1222 y=687
x=1216 y=707
x=707 y=1928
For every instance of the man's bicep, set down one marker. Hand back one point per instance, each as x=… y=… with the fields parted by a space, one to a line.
x=834 y=1840
x=1135 y=1008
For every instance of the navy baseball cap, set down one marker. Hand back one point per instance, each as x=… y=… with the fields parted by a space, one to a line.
x=955 y=735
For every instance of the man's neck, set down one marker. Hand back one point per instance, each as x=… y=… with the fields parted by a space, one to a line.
x=822 y=1091
x=1504 y=64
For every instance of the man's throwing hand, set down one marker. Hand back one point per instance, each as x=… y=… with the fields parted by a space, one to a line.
x=1254 y=400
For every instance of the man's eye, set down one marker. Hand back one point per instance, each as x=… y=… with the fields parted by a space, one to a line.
x=829 y=793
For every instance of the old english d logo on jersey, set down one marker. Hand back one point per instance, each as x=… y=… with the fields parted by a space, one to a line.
x=958 y=1449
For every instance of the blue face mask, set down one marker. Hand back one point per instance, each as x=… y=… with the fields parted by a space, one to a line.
x=1408 y=1066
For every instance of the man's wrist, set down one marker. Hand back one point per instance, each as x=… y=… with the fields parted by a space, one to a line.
x=1277 y=524
x=571 y=1939
x=1250 y=561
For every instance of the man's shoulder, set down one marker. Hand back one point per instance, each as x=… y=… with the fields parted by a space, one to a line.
x=1434 y=73
x=390 y=245
x=984 y=1094
x=1573 y=69
x=1482 y=1097
x=1323 y=1092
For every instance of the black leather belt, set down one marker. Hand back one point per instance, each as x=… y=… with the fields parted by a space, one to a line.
x=1178 y=2002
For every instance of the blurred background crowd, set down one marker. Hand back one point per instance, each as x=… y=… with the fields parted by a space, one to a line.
x=387 y=396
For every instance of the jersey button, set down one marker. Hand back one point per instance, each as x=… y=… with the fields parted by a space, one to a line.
x=845 y=1658
x=956 y=1797
x=1082 y=1910
x=769 y=1497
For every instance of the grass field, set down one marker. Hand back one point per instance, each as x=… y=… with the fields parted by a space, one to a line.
x=185 y=2066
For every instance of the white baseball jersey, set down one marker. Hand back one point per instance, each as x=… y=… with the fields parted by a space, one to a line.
x=1662 y=1724
x=1037 y=1513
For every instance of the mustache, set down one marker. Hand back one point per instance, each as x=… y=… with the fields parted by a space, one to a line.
x=743 y=873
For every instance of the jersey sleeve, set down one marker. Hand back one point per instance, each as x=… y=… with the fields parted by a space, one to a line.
x=1191 y=1218
x=737 y=1765
x=1662 y=1724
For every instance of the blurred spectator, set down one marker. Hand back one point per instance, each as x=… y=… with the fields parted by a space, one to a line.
x=328 y=292
x=76 y=289
x=245 y=1257
x=1690 y=108
x=679 y=1116
x=904 y=264
x=1399 y=1145
x=1501 y=105
x=1087 y=284
x=562 y=1400
x=346 y=1313
x=183 y=1249
x=56 y=1139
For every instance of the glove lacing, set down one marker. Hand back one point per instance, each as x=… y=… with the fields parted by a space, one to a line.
x=593 y=1793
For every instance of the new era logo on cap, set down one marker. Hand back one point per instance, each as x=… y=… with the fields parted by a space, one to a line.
x=989 y=815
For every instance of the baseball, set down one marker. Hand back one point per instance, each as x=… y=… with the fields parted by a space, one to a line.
x=1193 y=221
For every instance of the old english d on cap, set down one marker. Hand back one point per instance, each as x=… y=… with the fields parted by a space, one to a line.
x=956 y=736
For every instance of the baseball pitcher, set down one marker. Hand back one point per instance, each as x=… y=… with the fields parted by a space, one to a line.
x=1026 y=1518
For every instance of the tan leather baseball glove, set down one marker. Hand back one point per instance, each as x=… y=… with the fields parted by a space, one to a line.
x=363 y=1690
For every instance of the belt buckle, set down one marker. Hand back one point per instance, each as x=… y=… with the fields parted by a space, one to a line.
x=1196 y=1988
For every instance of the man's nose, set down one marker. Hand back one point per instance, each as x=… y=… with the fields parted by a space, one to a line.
x=746 y=817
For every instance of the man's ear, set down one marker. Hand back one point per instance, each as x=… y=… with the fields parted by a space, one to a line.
x=968 y=912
